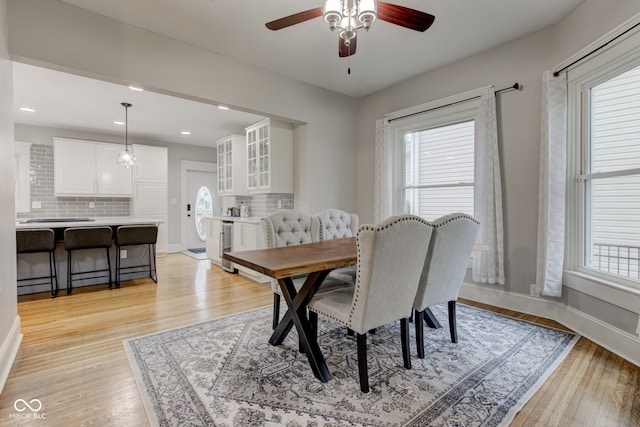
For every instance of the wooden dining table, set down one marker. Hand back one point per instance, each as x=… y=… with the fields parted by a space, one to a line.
x=283 y=264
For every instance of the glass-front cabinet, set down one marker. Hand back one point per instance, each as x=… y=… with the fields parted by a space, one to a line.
x=231 y=165
x=269 y=157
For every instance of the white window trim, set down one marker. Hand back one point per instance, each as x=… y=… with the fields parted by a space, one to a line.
x=623 y=55
x=418 y=118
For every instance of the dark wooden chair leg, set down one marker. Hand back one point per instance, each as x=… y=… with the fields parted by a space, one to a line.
x=431 y=320
x=53 y=272
x=109 y=266
x=118 y=263
x=406 y=352
x=276 y=310
x=350 y=332
x=69 y=285
x=420 y=333
x=372 y=331
x=452 y=321
x=362 y=363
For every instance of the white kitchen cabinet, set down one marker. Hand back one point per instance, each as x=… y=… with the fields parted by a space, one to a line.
x=151 y=163
x=248 y=236
x=88 y=168
x=151 y=189
x=232 y=157
x=213 y=247
x=244 y=236
x=269 y=157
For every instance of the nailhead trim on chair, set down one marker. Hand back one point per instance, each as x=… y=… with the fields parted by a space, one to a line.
x=369 y=227
x=455 y=217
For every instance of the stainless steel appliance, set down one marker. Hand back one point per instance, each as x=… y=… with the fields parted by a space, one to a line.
x=226 y=239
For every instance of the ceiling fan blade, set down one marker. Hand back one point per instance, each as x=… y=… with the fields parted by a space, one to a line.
x=344 y=50
x=405 y=17
x=296 y=18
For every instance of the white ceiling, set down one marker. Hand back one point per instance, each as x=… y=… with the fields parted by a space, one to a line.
x=63 y=100
x=387 y=54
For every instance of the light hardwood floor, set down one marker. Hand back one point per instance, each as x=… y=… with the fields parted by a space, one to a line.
x=72 y=358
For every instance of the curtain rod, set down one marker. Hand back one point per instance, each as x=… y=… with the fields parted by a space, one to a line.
x=515 y=86
x=588 y=54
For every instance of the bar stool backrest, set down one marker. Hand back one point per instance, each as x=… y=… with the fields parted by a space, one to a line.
x=35 y=240
x=87 y=238
x=127 y=235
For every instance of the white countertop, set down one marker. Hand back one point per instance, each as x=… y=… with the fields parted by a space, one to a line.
x=249 y=219
x=96 y=222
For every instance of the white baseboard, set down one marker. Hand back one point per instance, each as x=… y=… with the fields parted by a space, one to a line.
x=9 y=350
x=174 y=248
x=613 y=339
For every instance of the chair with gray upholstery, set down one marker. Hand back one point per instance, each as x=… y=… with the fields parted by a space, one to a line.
x=338 y=224
x=286 y=228
x=390 y=260
x=36 y=241
x=454 y=236
x=83 y=238
x=137 y=235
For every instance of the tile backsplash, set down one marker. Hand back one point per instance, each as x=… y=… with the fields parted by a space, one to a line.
x=42 y=192
x=260 y=204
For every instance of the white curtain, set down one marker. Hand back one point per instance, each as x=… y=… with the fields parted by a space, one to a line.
x=488 y=265
x=551 y=195
x=383 y=182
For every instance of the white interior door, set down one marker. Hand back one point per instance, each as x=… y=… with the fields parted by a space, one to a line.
x=201 y=203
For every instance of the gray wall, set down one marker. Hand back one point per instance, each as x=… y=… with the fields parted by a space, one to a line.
x=8 y=299
x=524 y=61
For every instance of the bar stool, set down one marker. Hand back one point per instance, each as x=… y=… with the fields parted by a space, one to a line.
x=132 y=235
x=36 y=241
x=81 y=238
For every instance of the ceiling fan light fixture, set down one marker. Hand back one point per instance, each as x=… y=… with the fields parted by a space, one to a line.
x=367 y=12
x=349 y=16
x=332 y=13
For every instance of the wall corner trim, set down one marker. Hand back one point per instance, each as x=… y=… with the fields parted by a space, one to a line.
x=9 y=350
x=613 y=339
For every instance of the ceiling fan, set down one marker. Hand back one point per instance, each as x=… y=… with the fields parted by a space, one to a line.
x=348 y=16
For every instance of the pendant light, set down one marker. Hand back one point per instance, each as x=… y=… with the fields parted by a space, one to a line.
x=125 y=158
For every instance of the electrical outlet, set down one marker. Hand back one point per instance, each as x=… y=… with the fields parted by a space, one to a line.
x=92 y=205
x=279 y=204
x=123 y=253
x=36 y=205
x=534 y=291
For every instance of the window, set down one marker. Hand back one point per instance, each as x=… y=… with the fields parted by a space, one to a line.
x=434 y=170
x=439 y=170
x=611 y=176
x=604 y=154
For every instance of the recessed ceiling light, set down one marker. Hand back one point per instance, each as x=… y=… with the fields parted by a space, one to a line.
x=27 y=109
x=119 y=123
x=223 y=107
x=136 y=88
x=185 y=132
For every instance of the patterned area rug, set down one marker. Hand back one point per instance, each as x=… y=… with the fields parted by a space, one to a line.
x=224 y=372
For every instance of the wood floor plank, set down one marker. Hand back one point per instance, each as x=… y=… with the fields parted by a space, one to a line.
x=73 y=360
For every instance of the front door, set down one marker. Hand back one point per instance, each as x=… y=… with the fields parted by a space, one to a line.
x=201 y=203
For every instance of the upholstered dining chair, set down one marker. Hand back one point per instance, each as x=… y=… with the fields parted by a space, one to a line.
x=286 y=228
x=390 y=259
x=454 y=236
x=338 y=224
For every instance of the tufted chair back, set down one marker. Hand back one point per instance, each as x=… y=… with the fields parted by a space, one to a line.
x=289 y=227
x=336 y=224
x=447 y=260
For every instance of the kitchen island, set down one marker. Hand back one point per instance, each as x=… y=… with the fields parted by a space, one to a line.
x=33 y=265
